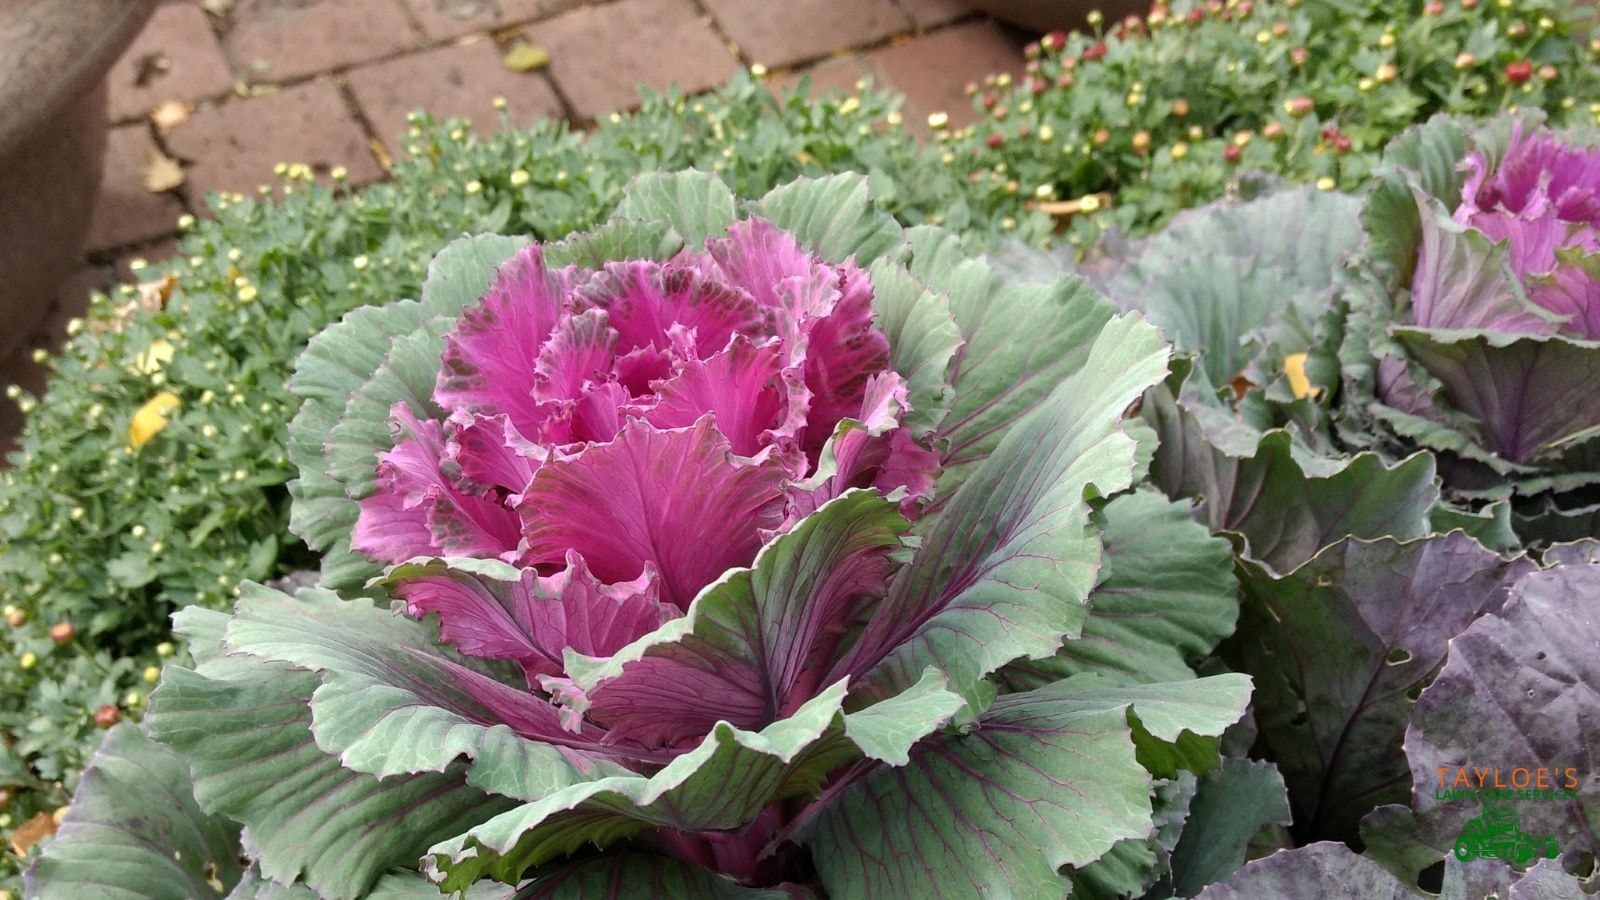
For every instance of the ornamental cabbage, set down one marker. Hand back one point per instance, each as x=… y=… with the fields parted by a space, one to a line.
x=731 y=552
x=1474 y=324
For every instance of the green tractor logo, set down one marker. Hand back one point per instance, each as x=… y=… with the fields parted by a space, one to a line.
x=1496 y=835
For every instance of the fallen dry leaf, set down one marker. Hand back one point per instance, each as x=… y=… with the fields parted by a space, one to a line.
x=171 y=114
x=32 y=832
x=526 y=57
x=161 y=172
x=1294 y=366
x=381 y=154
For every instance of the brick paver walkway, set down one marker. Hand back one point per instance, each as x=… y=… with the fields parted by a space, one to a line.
x=328 y=82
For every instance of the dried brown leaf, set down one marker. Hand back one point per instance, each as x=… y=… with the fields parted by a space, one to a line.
x=161 y=172
x=32 y=832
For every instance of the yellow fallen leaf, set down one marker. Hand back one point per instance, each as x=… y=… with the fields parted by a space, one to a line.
x=218 y=8
x=150 y=418
x=1294 y=366
x=154 y=357
x=381 y=154
x=161 y=172
x=32 y=832
x=171 y=114
x=526 y=57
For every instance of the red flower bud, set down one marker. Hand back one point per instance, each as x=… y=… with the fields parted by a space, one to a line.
x=1031 y=51
x=1101 y=136
x=1064 y=80
x=1519 y=72
x=1095 y=52
x=989 y=100
x=61 y=632
x=1433 y=8
x=1246 y=8
x=1196 y=16
x=1299 y=106
x=1000 y=113
x=1232 y=152
x=1055 y=40
x=995 y=140
x=107 y=716
x=1341 y=144
x=1299 y=55
x=1547 y=72
x=1037 y=86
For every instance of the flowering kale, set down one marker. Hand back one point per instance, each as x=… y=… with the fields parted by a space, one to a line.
x=1473 y=327
x=759 y=544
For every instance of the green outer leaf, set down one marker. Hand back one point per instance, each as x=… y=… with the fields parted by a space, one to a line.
x=1132 y=868
x=977 y=596
x=407 y=376
x=134 y=831
x=923 y=340
x=834 y=217
x=333 y=366
x=1169 y=596
x=391 y=702
x=249 y=745
x=1262 y=491
x=720 y=785
x=1232 y=805
x=624 y=874
x=616 y=239
x=1321 y=871
x=1339 y=649
x=1237 y=280
x=697 y=204
x=394 y=886
x=1045 y=778
x=462 y=272
x=1022 y=340
x=348 y=378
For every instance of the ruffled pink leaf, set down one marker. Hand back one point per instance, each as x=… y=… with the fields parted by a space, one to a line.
x=487 y=454
x=740 y=385
x=645 y=299
x=677 y=500
x=490 y=357
x=755 y=646
x=534 y=619
x=580 y=353
x=415 y=498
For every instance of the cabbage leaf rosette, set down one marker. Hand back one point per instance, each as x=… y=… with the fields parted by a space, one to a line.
x=1474 y=322
x=728 y=550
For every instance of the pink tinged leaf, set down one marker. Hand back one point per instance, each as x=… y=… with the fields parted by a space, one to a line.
x=489 y=455
x=580 y=353
x=489 y=360
x=739 y=385
x=754 y=646
x=639 y=369
x=677 y=500
x=871 y=451
x=1461 y=282
x=417 y=510
x=770 y=266
x=843 y=353
x=645 y=299
x=534 y=619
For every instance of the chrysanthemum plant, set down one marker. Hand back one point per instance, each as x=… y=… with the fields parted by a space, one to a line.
x=726 y=551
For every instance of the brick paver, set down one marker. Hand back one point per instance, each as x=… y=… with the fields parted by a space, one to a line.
x=933 y=71
x=600 y=54
x=784 y=32
x=280 y=40
x=929 y=13
x=233 y=147
x=176 y=57
x=443 y=19
x=125 y=213
x=460 y=80
x=837 y=75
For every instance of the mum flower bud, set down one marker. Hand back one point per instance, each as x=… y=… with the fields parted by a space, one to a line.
x=1299 y=106
x=107 y=716
x=61 y=632
x=1465 y=60
x=1141 y=142
x=1519 y=72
